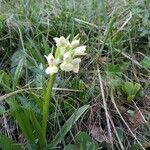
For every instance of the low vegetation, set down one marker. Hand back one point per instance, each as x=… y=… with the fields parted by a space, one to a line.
x=103 y=105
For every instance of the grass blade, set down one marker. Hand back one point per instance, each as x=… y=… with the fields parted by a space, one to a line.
x=6 y=143
x=18 y=72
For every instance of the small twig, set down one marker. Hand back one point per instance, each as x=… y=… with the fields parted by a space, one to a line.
x=112 y=123
x=134 y=61
x=88 y=23
x=124 y=24
x=125 y=2
x=113 y=101
x=142 y=54
x=3 y=97
x=140 y=112
x=105 y=107
x=6 y=126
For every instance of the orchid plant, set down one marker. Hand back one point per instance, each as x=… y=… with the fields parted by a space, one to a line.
x=67 y=58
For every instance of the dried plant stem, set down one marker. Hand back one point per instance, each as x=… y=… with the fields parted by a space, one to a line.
x=140 y=113
x=113 y=101
x=133 y=60
x=112 y=123
x=105 y=107
x=5 y=96
x=6 y=125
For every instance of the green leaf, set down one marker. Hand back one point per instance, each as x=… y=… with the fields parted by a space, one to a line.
x=130 y=97
x=18 y=72
x=36 y=101
x=5 y=80
x=38 y=130
x=2 y=110
x=85 y=142
x=134 y=147
x=67 y=126
x=15 y=59
x=146 y=62
x=7 y=144
x=120 y=133
x=114 y=80
x=22 y=117
x=34 y=50
x=131 y=112
x=117 y=69
x=70 y=147
x=4 y=77
x=69 y=105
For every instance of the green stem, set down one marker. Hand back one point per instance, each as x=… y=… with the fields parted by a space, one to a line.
x=47 y=102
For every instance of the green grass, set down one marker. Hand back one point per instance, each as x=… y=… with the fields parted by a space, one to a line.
x=117 y=35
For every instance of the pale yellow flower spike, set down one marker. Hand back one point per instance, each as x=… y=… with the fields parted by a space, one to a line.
x=67 y=54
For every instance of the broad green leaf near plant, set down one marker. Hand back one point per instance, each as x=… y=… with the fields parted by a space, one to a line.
x=146 y=62
x=15 y=59
x=70 y=147
x=117 y=69
x=28 y=123
x=120 y=133
x=18 y=72
x=5 y=81
x=134 y=147
x=23 y=120
x=114 y=74
x=83 y=141
x=67 y=126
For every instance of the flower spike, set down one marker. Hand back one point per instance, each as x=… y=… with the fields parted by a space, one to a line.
x=67 y=55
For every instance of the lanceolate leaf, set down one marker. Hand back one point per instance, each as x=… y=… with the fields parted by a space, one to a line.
x=23 y=119
x=38 y=129
x=67 y=126
x=18 y=72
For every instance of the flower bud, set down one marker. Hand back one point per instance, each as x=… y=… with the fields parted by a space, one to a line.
x=80 y=51
x=75 y=43
x=61 y=42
